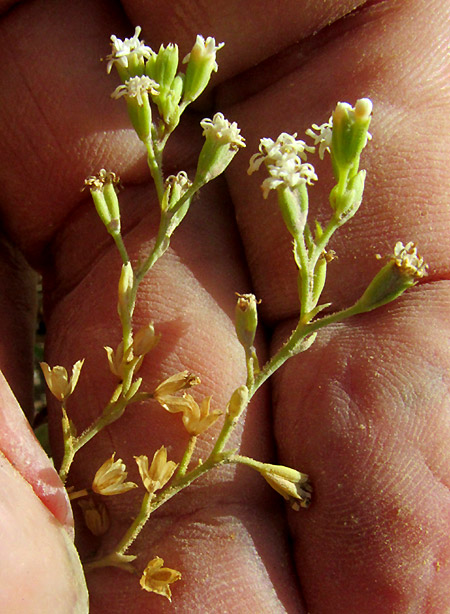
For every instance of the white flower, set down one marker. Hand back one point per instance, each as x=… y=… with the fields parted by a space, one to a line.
x=220 y=129
x=122 y=49
x=323 y=138
x=285 y=160
x=286 y=147
x=289 y=173
x=136 y=87
x=408 y=260
x=204 y=50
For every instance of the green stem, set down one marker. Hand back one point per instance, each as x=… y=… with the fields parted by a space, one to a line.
x=120 y=247
x=137 y=525
x=183 y=466
x=155 y=168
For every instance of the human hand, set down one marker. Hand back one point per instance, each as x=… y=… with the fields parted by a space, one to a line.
x=364 y=412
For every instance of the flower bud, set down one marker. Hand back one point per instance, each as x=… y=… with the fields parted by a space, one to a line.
x=145 y=340
x=246 y=319
x=350 y=134
x=201 y=64
x=238 y=402
x=346 y=203
x=125 y=291
x=290 y=203
x=165 y=67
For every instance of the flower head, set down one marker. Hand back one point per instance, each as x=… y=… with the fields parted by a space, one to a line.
x=157 y=579
x=59 y=383
x=221 y=130
x=136 y=87
x=285 y=160
x=110 y=478
x=122 y=50
x=409 y=262
x=159 y=472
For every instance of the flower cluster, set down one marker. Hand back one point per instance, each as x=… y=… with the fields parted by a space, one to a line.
x=285 y=160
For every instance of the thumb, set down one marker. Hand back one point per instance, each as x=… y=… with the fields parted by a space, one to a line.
x=40 y=567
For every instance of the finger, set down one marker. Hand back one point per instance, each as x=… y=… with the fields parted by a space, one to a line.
x=35 y=524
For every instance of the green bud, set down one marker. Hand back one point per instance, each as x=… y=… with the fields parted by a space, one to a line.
x=201 y=64
x=293 y=203
x=140 y=116
x=166 y=66
x=168 y=102
x=350 y=134
x=246 y=319
x=125 y=291
x=347 y=202
x=320 y=274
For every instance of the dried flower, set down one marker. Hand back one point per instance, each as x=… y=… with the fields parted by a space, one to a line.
x=197 y=418
x=101 y=179
x=116 y=360
x=291 y=484
x=157 y=579
x=129 y=49
x=58 y=381
x=110 y=478
x=409 y=261
x=159 y=472
x=165 y=391
x=95 y=516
